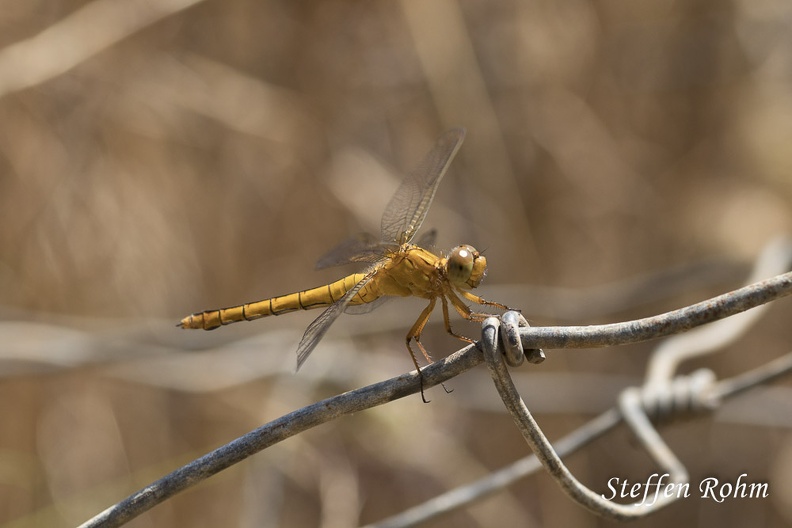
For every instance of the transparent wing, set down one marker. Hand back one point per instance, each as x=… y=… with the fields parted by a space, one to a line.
x=407 y=209
x=318 y=328
x=427 y=240
x=360 y=248
x=359 y=309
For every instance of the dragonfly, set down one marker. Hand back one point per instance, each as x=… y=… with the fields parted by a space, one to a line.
x=396 y=268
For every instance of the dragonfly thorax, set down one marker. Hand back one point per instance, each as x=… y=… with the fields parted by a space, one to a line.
x=465 y=267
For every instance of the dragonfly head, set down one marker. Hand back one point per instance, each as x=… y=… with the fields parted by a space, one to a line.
x=466 y=267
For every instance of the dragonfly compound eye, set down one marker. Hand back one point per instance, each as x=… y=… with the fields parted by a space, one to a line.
x=464 y=266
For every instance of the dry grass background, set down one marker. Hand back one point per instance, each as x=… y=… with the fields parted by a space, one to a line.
x=209 y=157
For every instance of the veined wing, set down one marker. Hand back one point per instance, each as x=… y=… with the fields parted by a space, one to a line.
x=407 y=209
x=361 y=309
x=365 y=248
x=361 y=248
x=427 y=239
x=318 y=328
x=403 y=217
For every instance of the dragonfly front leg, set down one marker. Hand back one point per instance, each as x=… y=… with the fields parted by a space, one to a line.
x=465 y=311
x=478 y=300
x=447 y=320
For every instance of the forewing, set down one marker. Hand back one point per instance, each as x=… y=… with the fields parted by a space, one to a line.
x=318 y=328
x=360 y=248
x=407 y=209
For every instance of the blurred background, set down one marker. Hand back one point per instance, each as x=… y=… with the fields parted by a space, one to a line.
x=162 y=158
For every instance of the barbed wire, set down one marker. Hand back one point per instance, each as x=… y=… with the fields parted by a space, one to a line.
x=634 y=407
x=660 y=396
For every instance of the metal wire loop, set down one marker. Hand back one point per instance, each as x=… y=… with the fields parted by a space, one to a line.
x=511 y=322
x=541 y=446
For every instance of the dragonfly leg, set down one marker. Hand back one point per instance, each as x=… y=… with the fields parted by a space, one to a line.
x=465 y=311
x=415 y=333
x=417 y=329
x=478 y=300
x=447 y=320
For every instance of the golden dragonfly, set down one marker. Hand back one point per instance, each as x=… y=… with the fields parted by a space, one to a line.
x=397 y=268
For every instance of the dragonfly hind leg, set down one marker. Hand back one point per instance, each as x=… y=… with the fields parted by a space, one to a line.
x=415 y=333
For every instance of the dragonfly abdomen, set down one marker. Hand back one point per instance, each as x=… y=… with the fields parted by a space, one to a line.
x=320 y=297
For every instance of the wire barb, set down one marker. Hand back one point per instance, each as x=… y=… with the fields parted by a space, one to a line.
x=692 y=393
